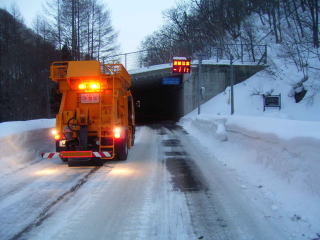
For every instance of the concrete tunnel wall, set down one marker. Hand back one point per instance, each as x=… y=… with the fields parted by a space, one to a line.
x=215 y=79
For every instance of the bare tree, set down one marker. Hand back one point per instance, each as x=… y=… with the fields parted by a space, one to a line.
x=24 y=62
x=84 y=25
x=313 y=7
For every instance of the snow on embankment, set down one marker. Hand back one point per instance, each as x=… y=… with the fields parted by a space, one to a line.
x=18 y=127
x=293 y=130
x=21 y=142
x=276 y=151
x=288 y=148
x=278 y=157
x=298 y=142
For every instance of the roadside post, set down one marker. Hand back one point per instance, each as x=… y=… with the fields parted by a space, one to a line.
x=199 y=82
x=231 y=84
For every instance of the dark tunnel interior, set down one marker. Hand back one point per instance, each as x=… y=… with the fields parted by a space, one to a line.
x=157 y=102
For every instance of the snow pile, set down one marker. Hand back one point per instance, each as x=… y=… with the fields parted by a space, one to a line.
x=294 y=128
x=21 y=142
x=290 y=148
x=221 y=129
x=17 y=127
x=270 y=158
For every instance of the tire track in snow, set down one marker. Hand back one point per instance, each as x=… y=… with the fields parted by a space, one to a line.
x=46 y=212
x=19 y=186
x=21 y=168
x=207 y=220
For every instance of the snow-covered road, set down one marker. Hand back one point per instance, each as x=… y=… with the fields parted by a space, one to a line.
x=169 y=188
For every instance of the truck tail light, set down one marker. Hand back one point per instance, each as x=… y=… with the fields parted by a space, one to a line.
x=55 y=134
x=57 y=137
x=54 y=131
x=117 y=132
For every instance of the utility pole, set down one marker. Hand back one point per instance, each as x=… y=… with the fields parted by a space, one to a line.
x=199 y=82
x=232 y=83
x=125 y=60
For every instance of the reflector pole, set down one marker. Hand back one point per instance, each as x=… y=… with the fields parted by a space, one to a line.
x=199 y=82
x=232 y=83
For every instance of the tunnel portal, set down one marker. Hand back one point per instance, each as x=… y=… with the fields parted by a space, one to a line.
x=158 y=101
x=168 y=101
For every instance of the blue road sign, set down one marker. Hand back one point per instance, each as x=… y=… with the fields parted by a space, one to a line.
x=171 y=81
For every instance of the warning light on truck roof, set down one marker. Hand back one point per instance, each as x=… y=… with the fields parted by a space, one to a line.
x=89 y=86
x=181 y=65
x=94 y=86
x=82 y=86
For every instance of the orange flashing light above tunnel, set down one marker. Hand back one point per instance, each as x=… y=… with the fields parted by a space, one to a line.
x=181 y=65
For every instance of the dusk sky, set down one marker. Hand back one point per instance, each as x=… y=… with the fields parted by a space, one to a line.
x=132 y=19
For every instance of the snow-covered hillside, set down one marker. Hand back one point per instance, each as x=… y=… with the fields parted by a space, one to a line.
x=274 y=153
x=280 y=78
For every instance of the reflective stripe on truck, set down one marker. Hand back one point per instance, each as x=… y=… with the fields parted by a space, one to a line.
x=75 y=154
x=50 y=155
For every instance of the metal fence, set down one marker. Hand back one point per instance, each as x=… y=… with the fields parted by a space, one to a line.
x=129 y=60
x=240 y=53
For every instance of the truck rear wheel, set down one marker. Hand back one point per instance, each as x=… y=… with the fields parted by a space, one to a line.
x=97 y=161
x=133 y=136
x=122 y=149
x=71 y=163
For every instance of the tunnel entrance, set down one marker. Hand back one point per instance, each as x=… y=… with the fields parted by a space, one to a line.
x=156 y=102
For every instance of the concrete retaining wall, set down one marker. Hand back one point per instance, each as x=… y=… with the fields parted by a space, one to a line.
x=215 y=79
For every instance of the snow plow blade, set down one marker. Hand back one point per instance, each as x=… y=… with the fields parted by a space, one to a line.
x=75 y=154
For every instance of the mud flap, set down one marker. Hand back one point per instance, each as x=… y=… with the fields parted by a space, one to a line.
x=83 y=137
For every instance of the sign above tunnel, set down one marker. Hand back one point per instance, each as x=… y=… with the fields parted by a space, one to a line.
x=171 y=81
x=181 y=65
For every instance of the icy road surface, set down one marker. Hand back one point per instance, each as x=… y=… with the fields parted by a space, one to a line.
x=167 y=189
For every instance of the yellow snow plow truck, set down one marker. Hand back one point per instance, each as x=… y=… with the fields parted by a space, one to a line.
x=96 y=116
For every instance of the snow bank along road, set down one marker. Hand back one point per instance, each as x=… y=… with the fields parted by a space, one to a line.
x=169 y=188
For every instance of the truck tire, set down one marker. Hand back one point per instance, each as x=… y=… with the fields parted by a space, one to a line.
x=71 y=163
x=122 y=149
x=133 y=134
x=97 y=162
